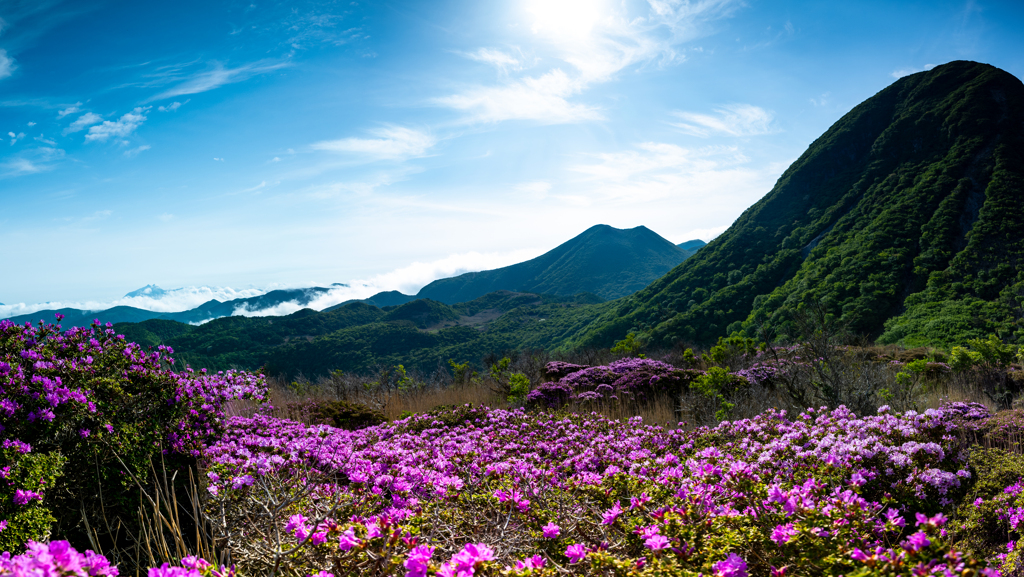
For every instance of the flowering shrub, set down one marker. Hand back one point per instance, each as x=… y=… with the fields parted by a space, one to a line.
x=536 y=494
x=85 y=401
x=626 y=378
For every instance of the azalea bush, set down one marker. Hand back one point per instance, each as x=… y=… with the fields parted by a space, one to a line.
x=824 y=492
x=84 y=415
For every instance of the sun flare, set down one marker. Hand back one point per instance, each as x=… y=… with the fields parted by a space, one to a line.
x=568 y=18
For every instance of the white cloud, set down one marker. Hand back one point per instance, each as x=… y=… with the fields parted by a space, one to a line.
x=500 y=60
x=15 y=137
x=392 y=142
x=543 y=98
x=704 y=234
x=731 y=119
x=597 y=39
x=174 y=300
x=408 y=280
x=31 y=124
x=218 y=159
x=822 y=101
x=908 y=71
x=172 y=106
x=69 y=110
x=135 y=151
x=122 y=127
x=536 y=190
x=31 y=161
x=7 y=64
x=42 y=138
x=653 y=170
x=82 y=122
x=218 y=76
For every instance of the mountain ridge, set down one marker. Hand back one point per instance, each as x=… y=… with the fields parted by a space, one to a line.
x=916 y=191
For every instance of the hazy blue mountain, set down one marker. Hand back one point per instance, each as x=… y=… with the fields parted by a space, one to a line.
x=692 y=245
x=150 y=290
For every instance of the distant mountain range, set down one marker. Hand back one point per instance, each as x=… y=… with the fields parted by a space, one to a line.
x=604 y=261
x=207 y=311
x=904 y=223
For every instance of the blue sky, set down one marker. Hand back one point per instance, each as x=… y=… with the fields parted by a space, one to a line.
x=260 y=145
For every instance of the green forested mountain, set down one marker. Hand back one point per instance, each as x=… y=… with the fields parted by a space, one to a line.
x=358 y=336
x=604 y=261
x=905 y=219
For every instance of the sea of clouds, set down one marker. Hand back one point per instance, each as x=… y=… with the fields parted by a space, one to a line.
x=409 y=280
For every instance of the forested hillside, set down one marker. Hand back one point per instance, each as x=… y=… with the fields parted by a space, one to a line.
x=905 y=220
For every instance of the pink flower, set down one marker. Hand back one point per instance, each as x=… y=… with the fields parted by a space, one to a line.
x=348 y=540
x=916 y=542
x=612 y=514
x=551 y=530
x=733 y=566
x=576 y=552
x=783 y=533
x=657 y=542
x=418 y=561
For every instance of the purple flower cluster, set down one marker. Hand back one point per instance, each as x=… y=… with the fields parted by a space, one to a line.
x=57 y=558
x=631 y=377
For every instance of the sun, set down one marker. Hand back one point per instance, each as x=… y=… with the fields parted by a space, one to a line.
x=565 y=18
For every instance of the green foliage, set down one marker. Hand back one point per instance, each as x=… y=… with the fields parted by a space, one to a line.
x=979 y=525
x=519 y=387
x=37 y=472
x=719 y=385
x=630 y=346
x=907 y=210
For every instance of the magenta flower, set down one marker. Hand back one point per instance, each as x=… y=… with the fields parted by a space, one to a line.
x=418 y=561
x=348 y=540
x=551 y=530
x=916 y=542
x=781 y=534
x=23 y=497
x=657 y=542
x=612 y=514
x=732 y=566
x=576 y=552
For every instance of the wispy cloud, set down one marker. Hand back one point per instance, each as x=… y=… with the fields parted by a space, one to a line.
x=544 y=98
x=500 y=60
x=215 y=76
x=39 y=159
x=69 y=110
x=172 y=106
x=656 y=170
x=173 y=300
x=7 y=64
x=730 y=119
x=121 y=127
x=392 y=142
x=82 y=122
x=133 y=152
x=408 y=280
x=15 y=137
x=908 y=71
x=595 y=41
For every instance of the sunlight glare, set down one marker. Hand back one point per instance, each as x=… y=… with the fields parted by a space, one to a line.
x=565 y=18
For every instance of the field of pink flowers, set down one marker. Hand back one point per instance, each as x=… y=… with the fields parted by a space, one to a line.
x=478 y=491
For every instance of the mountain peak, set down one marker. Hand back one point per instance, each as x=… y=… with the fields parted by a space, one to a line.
x=905 y=219
x=150 y=290
x=603 y=260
